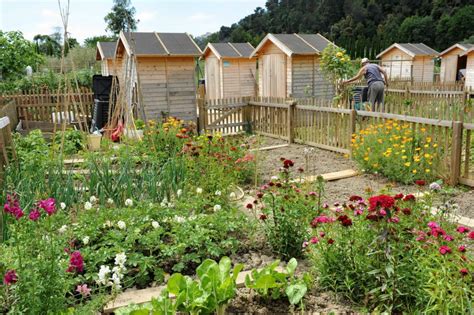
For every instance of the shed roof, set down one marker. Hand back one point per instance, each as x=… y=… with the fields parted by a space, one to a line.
x=469 y=51
x=463 y=47
x=159 y=44
x=296 y=44
x=229 y=50
x=105 y=50
x=418 y=49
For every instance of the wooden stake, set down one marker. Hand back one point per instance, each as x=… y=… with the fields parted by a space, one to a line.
x=456 y=153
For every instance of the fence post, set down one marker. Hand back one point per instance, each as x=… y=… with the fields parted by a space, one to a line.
x=290 y=122
x=352 y=128
x=456 y=152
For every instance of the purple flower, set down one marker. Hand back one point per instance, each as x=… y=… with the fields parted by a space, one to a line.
x=48 y=205
x=435 y=186
x=34 y=214
x=10 y=277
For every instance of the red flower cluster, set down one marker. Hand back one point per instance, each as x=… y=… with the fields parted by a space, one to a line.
x=355 y=198
x=381 y=201
x=76 y=262
x=445 y=250
x=345 y=220
x=420 y=182
x=462 y=229
x=34 y=214
x=10 y=277
x=321 y=219
x=409 y=197
x=12 y=206
x=288 y=163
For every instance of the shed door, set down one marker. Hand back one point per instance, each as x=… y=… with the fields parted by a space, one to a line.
x=212 y=79
x=274 y=75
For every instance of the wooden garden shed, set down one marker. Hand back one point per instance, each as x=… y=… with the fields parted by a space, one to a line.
x=229 y=70
x=452 y=61
x=105 y=53
x=158 y=71
x=469 y=80
x=288 y=66
x=411 y=62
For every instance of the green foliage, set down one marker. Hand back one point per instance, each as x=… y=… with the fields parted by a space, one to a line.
x=417 y=29
x=389 y=256
x=284 y=214
x=271 y=283
x=91 y=42
x=121 y=18
x=73 y=141
x=16 y=53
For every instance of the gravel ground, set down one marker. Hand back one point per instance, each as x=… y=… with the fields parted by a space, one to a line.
x=322 y=161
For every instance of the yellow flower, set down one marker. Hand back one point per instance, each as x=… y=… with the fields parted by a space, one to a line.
x=428 y=139
x=417 y=149
x=339 y=54
x=427 y=155
x=404 y=157
x=366 y=158
x=407 y=164
x=414 y=171
x=423 y=129
x=435 y=145
x=427 y=170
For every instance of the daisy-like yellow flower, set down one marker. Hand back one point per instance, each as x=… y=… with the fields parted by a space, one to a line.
x=407 y=164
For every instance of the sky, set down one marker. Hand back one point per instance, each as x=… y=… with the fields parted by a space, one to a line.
x=86 y=19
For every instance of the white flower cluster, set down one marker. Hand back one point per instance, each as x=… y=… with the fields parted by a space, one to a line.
x=164 y=203
x=62 y=229
x=62 y=205
x=129 y=202
x=121 y=225
x=117 y=272
x=85 y=240
x=199 y=190
x=155 y=224
x=217 y=208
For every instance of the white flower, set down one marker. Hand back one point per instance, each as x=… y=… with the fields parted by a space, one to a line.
x=88 y=205
x=155 y=224
x=179 y=192
x=218 y=193
x=199 y=190
x=217 y=208
x=129 y=202
x=62 y=229
x=121 y=225
x=158 y=184
x=108 y=224
x=92 y=199
x=110 y=201
x=85 y=240
x=274 y=178
x=232 y=195
x=62 y=205
x=164 y=203
x=116 y=281
x=103 y=275
x=179 y=219
x=120 y=259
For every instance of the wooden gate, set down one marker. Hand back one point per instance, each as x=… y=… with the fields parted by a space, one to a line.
x=225 y=116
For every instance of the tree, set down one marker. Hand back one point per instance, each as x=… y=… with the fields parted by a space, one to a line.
x=121 y=18
x=417 y=29
x=15 y=54
x=453 y=28
x=92 y=41
x=47 y=45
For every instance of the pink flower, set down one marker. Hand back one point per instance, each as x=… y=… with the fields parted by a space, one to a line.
x=394 y=220
x=76 y=262
x=464 y=272
x=322 y=234
x=48 y=205
x=305 y=244
x=358 y=212
x=12 y=206
x=314 y=240
x=83 y=290
x=435 y=232
x=462 y=229
x=382 y=212
x=444 y=250
x=449 y=238
x=321 y=219
x=471 y=235
x=433 y=225
x=462 y=248
x=10 y=277
x=34 y=214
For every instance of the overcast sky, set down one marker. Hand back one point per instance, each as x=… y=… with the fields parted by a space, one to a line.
x=195 y=17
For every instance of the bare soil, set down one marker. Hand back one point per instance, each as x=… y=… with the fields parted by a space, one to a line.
x=322 y=161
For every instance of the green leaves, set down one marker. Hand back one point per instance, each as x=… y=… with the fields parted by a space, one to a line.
x=296 y=293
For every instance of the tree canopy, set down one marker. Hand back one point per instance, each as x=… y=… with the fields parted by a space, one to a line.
x=92 y=41
x=121 y=18
x=363 y=27
x=16 y=53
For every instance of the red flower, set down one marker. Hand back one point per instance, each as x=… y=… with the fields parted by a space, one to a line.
x=345 y=220
x=76 y=262
x=300 y=169
x=330 y=241
x=406 y=211
x=409 y=197
x=471 y=235
x=420 y=182
x=394 y=220
x=259 y=194
x=355 y=198
x=382 y=201
x=444 y=250
x=10 y=277
x=288 y=163
x=314 y=240
x=435 y=232
x=12 y=206
x=449 y=238
x=322 y=234
x=398 y=196
x=372 y=217
x=263 y=217
x=321 y=219
x=462 y=229
x=462 y=248
x=249 y=206
x=34 y=214
x=464 y=272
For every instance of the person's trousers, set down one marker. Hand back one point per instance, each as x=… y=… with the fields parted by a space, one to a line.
x=375 y=96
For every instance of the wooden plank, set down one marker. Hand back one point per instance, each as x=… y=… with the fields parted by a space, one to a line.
x=273 y=147
x=323 y=146
x=330 y=176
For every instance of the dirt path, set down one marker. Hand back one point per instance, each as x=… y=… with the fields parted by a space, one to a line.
x=322 y=161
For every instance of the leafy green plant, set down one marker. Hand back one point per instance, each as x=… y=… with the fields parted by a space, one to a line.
x=272 y=283
x=140 y=124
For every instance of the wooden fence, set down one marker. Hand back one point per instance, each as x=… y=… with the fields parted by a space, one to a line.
x=332 y=129
x=45 y=109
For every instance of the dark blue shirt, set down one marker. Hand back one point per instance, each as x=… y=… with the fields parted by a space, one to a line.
x=372 y=73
